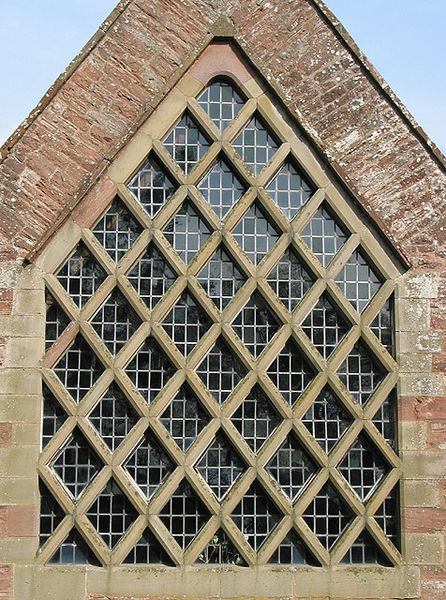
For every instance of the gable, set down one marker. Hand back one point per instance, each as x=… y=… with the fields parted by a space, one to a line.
x=142 y=50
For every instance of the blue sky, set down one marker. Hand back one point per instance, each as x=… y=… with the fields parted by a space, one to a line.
x=404 y=39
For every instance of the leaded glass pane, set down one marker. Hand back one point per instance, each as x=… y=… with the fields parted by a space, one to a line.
x=112 y=514
x=256 y=145
x=149 y=465
x=51 y=514
x=186 y=143
x=79 y=368
x=184 y=515
x=361 y=373
x=81 y=275
x=382 y=326
x=325 y=326
x=221 y=102
x=152 y=276
x=256 y=234
x=328 y=516
x=148 y=550
x=221 y=278
x=291 y=373
x=327 y=420
x=185 y=417
x=324 y=235
x=289 y=190
x=74 y=551
x=221 y=550
x=256 y=418
x=365 y=551
x=53 y=415
x=387 y=517
x=117 y=230
x=115 y=322
x=292 y=551
x=113 y=416
x=290 y=280
x=187 y=232
x=151 y=186
x=56 y=320
x=221 y=188
x=256 y=515
x=256 y=325
x=363 y=467
x=385 y=419
x=358 y=281
x=186 y=323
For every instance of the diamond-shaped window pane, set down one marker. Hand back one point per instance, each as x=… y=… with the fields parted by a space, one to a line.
x=361 y=373
x=76 y=464
x=388 y=517
x=117 y=230
x=221 y=371
x=289 y=190
x=221 y=188
x=148 y=550
x=186 y=323
x=51 y=514
x=112 y=513
x=326 y=420
x=382 y=326
x=325 y=326
x=53 y=415
x=221 y=278
x=256 y=325
x=256 y=418
x=81 y=275
x=221 y=102
x=292 y=551
x=56 y=320
x=113 y=416
x=256 y=145
x=365 y=551
x=327 y=516
x=149 y=465
x=151 y=186
x=220 y=465
x=187 y=232
x=256 y=515
x=291 y=467
x=324 y=235
x=385 y=419
x=221 y=551
x=255 y=234
x=358 y=281
x=74 y=551
x=186 y=143
x=115 y=322
x=291 y=373
x=185 y=417
x=150 y=369
x=184 y=514
x=79 y=368
x=290 y=280
x=152 y=276
x=363 y=467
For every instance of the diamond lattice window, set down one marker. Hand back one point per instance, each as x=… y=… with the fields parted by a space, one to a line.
x=219 y=359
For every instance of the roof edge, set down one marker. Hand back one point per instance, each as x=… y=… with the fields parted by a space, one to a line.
x=399 y=106
x=63 y=77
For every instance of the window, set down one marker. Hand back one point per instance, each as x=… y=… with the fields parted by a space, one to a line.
x=219 y=382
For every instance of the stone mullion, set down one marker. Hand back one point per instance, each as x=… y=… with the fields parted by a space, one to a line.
x=270 y=114
x=273 y=492
x=384 y=543
x=343 y=445
x=345 y=541
x=310 y=394
x=128 y=540
x=169 y=164
x=95 y=440
x=134 y=254
x=92 y=490
x=168 y=444
x=55 y=486
x=130 y=442
x=273 y=540
x=204 y=208
x=274 y=303
x=382 y=261
x=347 y=400
x=386 y=450
x=203 y=536
x=235 y=160
x=342 y=304
x=340 y=259
x=240 y=121
x=237 y=538
x=135 y=207
x=97 y=299
x=96 y=542
x=61 y=297
x=346 y=493
x=57 y=538
x=341 y=208
x=195 y=175
x=54 y=445
x=200 y=115
x=377 y=302
x=203 y=300
x=169 y=210
x=306 y=213
x=165 y=539
x=311 y=541
x=271 y=168
x=380 y=395
x=383 y=490
x=168 y=345
x=308 y=163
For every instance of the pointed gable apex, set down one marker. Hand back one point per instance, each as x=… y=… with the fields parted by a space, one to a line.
x=142 y=51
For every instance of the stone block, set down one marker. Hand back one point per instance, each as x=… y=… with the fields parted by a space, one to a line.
x=18 y=490
x=424 y=549
x=413 y=315
x=413 y=435
x=420 y=285
x=418 y=492
x=20 y=382
x=422 y=384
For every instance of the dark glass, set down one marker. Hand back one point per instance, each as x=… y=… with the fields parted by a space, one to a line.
x=382 y=326
x=220 y=465
x=117 y=230
x=221 y=278
x=221 y=550
x=81 y=275
x=256 y=418
x=325 y=235
x=113 y=416
x=256 y=145
x=256 y=325
x=53 y=415
x=385 y=420
x=74 y=551
x=187 y=232
x=290 y=280
x=361 y=373
x=327 y=420
x=221 y=102
x=290 y=190
x=256 y=234
x=365 y=551
x=151 y=186
x=358 y=281
x=149 y=465
x=221 y=371
x=152 y=276
x=112 y=513
x=116 y=321
x=325 y=326
x=291 y=467
x=291 y=373
x=186 y=143
x=56 y=320
x=146 y=551
x=388 y=517
x=221 y=188
x=51 y=514
x=292 y=551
